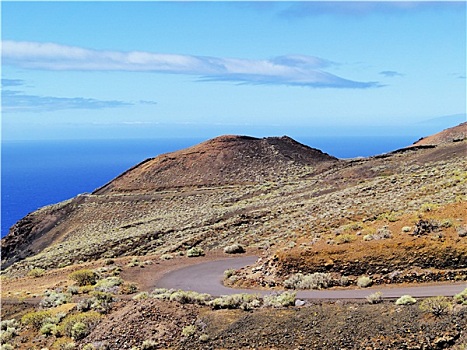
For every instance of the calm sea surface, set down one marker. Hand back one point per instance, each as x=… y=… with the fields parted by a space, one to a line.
x=38 y=173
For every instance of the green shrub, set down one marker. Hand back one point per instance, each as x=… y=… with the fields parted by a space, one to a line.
x=35 y=319
x=364 y=281
x=162 y=293
x=84 y=305
x=194 y=252
x=102 y=301
x=427 y=207
x=344 y=281
x=236 y=301
x=48 y=329
x=438 y=306
x=36 y=272
x=141 y=296
x=73 y=290
x=8 y=330
x=83 y=277
x=128 y=288
x=89 y=319
x=234 y=249
x=406 y=300
x=229 y=273
x=53 y=299
x=8 y=324
x=79 y=330
x=6 y=347
x=7 y=335
x=149 y=345
x=64 y=344
x=461 y=298
x=345 y=238
x=189 y=297
x=280 y=300
x=109 y=284
x=89 y=347
x=317 y=280
x=375 y=298
x=188 y=331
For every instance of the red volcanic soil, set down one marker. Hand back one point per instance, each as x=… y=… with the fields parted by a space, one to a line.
x=225 y=160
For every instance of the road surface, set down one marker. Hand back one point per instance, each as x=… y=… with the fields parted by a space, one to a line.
x=207 y=278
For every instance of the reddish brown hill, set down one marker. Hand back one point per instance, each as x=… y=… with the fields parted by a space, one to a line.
x=224 y=160
x=454 y=134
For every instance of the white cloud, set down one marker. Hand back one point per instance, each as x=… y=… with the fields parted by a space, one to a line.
x=299 y=70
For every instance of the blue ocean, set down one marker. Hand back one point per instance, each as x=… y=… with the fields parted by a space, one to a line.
x=39 y=173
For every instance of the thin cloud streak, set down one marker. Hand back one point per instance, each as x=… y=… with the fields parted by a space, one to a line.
x=14 y=101
x=391 y=74
x=294 y=70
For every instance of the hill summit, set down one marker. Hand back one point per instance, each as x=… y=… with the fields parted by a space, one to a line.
x=224 y=160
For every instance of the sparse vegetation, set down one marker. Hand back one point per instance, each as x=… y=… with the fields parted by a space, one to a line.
x=188 y=331
x=437 y=306
x=236 y=301
x=364 y=281
x=406 y=300
x=194 y=252
x=280 y=300
x=375 y=298
x=317 y=280
x=36 y=272
x=83 y=277
x=79 y=324
x=190 y=297
x=36 y=319
x=149 y=345
x=53 y=298
x=461 y=298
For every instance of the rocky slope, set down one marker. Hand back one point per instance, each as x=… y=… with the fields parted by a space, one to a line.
x=259 y=192
x=156 y=193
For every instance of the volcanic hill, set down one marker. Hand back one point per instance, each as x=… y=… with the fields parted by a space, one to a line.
x=225 y=160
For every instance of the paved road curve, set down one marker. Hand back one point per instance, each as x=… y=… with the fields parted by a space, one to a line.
x=207 y=278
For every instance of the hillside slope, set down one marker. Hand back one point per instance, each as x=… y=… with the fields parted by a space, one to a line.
x=138 y=198
x=454 y=134
x=259 y=192
x=224 y=160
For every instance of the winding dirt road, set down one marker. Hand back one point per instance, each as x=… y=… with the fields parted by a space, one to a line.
x=207 y=277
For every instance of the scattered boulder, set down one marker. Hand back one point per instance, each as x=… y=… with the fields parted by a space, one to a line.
x=300 y=302
x=424 y=227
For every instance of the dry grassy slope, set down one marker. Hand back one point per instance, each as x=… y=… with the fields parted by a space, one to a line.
x=306 y=195
x=455 y=134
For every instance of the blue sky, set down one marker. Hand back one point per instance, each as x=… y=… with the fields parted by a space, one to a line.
x=160 y=69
